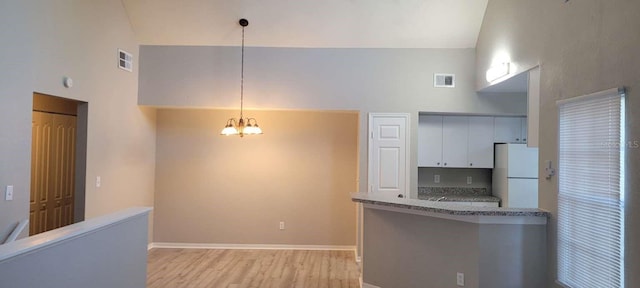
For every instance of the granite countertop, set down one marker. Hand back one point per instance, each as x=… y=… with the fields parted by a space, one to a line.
x=456 y=194
x=444 y=207
x=459 y=198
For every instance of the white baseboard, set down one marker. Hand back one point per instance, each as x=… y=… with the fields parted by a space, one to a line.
x=365 y=285
x=249 y=246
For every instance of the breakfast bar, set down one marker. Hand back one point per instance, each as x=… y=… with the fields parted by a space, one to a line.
x=419 y=243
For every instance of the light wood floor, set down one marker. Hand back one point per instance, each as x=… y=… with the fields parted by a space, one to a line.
x=251 y=268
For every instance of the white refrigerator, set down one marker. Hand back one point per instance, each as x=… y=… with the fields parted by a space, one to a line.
x=515 y=175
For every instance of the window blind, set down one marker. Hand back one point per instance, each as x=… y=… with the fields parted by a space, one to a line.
x=591 y=190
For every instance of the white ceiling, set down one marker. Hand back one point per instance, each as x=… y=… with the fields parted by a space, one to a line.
x=309 y=23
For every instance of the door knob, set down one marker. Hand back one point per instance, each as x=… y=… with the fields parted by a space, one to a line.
x=400 y=196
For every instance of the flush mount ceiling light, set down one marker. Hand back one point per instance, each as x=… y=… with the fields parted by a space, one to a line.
x=243 y=126
x=497 y=71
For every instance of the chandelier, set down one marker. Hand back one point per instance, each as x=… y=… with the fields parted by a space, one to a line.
x=242 y=126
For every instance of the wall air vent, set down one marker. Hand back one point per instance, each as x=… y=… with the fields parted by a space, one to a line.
x=444 y=80
x=125 y=60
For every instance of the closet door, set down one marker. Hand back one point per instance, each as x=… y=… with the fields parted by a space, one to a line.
x=52 y=171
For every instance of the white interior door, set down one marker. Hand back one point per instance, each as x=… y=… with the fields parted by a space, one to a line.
x=388 y=154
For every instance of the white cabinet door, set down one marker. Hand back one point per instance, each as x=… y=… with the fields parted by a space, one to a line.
x=480 y=143
x=533 y=108
x=430 y=141
x=524 y=126
x=455 y=130
x=508 y=130
x=388 y=154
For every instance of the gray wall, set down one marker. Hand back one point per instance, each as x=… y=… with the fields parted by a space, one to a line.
x=15 y=112
x=365 y=80
x=512 y=256
x=44 y=41
x=406 y=251
x=455 y=177
x=111 y=256
x=582 y=47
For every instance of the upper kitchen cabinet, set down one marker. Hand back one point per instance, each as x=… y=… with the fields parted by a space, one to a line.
x=523 y=131
x=430 y=141
x=510 y=130
x=480 y=146
x=455 y=130
x=455 y=141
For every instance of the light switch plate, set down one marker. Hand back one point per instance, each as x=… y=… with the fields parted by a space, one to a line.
x=548 y=169
x=436 y=178
x=8 y=194
x=460 y=279
x=98 y=182
x=469 y=180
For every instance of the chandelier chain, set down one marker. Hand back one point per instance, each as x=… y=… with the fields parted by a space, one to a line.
x=242 y=76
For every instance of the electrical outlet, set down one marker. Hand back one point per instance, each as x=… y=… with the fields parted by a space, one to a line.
x=469 y=180
x=8 y=194
x=460 y=279
x=436 y=178
x=281 y=225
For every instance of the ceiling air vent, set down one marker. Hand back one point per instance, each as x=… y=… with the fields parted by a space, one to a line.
x=444 y=80
x=125 y=60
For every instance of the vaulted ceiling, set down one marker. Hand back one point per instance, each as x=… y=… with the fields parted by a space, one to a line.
x=309 y=23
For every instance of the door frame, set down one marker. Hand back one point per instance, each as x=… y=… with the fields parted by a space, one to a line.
x=407 y=136
x=53 y=104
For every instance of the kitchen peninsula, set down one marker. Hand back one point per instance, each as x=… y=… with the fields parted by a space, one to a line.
x=418 y=243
